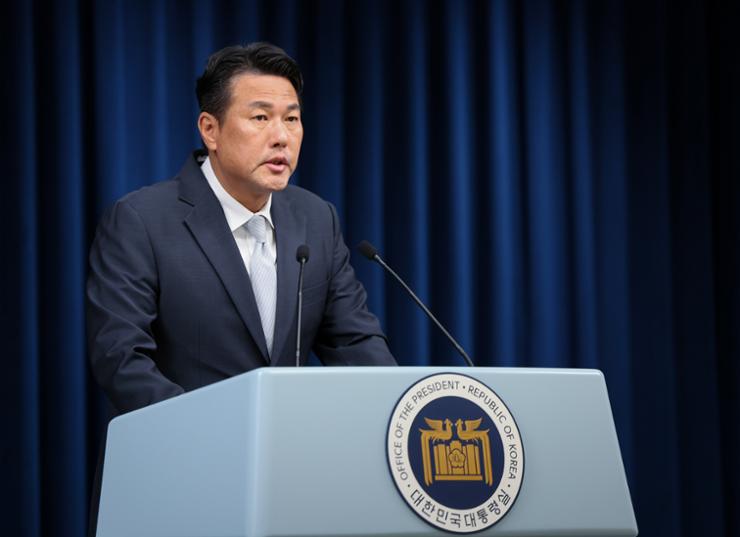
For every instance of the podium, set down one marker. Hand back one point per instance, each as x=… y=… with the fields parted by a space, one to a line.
x=303 y=452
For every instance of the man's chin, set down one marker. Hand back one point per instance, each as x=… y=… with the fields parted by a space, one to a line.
x=278 y=186
x=278 y=183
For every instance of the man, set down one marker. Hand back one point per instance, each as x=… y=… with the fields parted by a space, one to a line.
x=194 y=280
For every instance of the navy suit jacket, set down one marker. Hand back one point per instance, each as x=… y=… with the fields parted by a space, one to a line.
x=170 y=306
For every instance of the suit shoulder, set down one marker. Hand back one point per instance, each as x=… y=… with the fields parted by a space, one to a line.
x=154 y=197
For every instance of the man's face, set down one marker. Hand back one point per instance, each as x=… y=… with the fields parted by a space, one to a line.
x=255 y=146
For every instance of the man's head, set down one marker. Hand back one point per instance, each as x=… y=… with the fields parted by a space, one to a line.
x=250 y=119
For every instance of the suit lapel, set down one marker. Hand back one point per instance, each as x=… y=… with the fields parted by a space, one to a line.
x=208 y=226
x=290 y=232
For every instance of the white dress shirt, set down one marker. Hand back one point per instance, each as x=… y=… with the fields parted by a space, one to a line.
x=237 y=215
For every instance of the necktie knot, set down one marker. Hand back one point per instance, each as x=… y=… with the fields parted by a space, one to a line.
x=257 y=227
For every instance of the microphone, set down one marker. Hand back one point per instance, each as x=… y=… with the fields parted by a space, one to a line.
x=301 y=255
x=369 y=251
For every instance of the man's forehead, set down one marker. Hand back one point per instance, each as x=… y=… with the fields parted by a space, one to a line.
x=270 y=105
x=263 y=88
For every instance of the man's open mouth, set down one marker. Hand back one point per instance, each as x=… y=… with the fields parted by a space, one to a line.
x=277 y=164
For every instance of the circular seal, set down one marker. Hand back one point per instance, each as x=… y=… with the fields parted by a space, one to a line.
x=455 y=453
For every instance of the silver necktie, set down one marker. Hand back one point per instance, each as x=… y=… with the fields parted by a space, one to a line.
x=263 y=276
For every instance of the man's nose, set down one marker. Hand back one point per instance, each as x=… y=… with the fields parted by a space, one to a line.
x=279 y=134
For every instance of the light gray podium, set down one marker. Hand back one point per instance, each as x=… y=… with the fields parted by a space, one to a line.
x=302 y=452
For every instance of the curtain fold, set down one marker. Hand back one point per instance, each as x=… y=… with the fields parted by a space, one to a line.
x=559 y=181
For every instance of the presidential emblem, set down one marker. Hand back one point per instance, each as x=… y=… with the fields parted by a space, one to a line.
x=455 y=453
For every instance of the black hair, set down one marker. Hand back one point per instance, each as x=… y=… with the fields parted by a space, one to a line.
x=213 y=88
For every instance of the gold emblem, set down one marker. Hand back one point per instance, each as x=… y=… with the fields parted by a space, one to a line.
x=455 y=457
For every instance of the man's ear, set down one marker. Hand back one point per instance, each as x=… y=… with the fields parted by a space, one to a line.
x=209 y=129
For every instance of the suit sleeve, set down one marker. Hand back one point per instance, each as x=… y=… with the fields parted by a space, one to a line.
x=349 y=333
x=122 y=288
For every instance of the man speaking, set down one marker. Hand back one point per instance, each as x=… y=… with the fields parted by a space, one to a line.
x=195 y=279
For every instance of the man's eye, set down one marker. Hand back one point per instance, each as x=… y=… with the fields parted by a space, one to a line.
x=260 y=117
x=293 y=119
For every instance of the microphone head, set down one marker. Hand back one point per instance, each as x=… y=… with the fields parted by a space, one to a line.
x=301 y=253
x=368 y=250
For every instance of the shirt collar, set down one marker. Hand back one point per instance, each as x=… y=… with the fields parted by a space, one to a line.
x=236 y=214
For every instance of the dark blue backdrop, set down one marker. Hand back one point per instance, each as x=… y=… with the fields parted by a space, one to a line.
x=559 y=180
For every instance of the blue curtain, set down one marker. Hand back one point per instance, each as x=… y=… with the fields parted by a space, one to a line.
x=559 y=181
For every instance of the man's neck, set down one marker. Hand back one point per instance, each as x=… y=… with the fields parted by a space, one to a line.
x=250 y=200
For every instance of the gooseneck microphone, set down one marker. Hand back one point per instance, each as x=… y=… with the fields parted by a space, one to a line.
x=369 y=251
x=301 y=255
